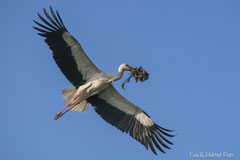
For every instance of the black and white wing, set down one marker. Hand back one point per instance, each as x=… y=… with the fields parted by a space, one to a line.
x=129 y=118
x=67 y=52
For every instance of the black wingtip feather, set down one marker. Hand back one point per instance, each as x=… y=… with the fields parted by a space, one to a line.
x=56 y=19
x=165 y=139
x=56 y=22
x=45 y=27
x=50 y=25
x=40 y=30
x=46 y=22
x=166 y=134
x=157 y=145
x=60 y=19
x=151 y=146
x=160 y=141
x=168 y=130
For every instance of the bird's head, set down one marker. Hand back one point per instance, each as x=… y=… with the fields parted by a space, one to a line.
x=125 y=67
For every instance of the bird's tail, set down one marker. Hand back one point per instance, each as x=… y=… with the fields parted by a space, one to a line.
x=68 y=94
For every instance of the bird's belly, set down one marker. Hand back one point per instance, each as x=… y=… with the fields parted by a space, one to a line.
x=98 y=86
x=93 y=87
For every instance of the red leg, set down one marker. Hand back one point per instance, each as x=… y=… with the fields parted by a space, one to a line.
x=60 y=113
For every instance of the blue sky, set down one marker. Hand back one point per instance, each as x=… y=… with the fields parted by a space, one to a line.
x=190 y=49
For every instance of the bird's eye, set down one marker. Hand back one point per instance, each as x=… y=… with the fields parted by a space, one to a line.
x=127 y=65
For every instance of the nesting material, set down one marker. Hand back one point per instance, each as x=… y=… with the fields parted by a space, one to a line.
x=139 y=74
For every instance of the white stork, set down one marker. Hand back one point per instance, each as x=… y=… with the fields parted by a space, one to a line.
x=93 y=86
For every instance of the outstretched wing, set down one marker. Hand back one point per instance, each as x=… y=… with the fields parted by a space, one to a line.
x=67 y=52
x=129 y=118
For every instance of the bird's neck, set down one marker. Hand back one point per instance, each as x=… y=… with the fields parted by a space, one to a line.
x=118 y=76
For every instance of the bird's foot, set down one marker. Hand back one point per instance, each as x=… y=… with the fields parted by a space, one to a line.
x=58 y=115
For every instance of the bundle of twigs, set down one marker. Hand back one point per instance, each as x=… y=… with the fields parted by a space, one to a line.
x=139 y=74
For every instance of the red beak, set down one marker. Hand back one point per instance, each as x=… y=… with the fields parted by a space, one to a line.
x=131 y=69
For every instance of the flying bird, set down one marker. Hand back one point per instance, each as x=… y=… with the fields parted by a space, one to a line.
x=91 y=85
